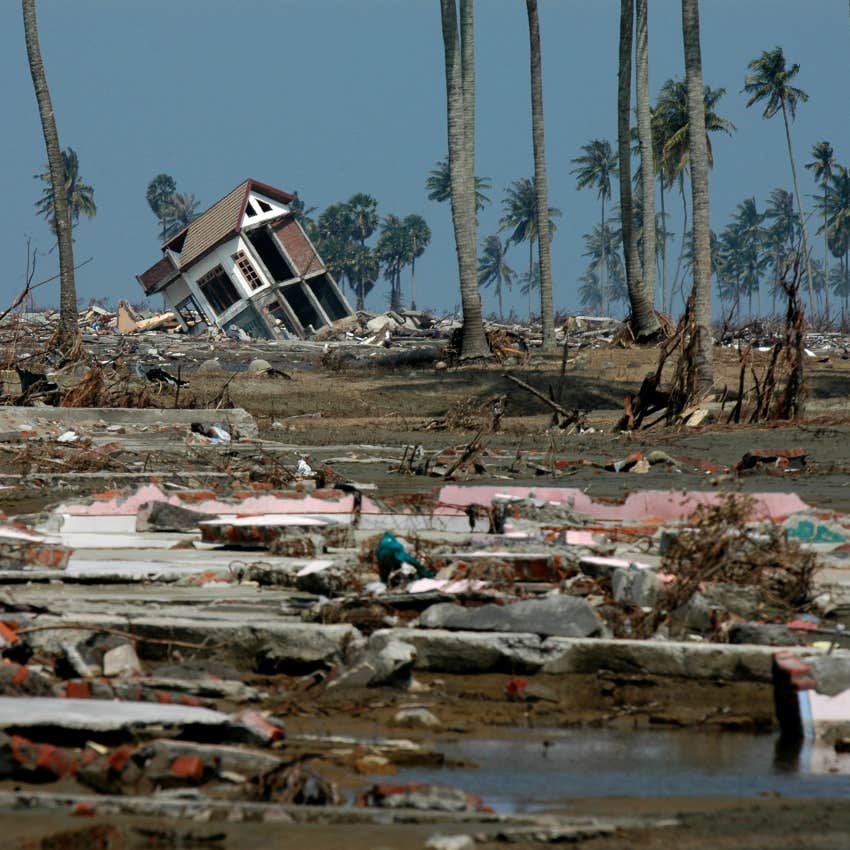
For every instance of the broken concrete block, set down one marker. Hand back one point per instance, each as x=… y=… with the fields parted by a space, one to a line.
x=84 y=720
x=392 y=659
x=21 y=548
x=450 y=842
x=298 y=648
x=325 y=578
x=446 y=651
x=17 y=679
x=80 y=666
x=258 y=531
x=637 y=587
x=422 y=796
x=558 y=614
x=765 y=634
x=163 y=516
x=121 y=661
x=783 y=459
x=416 y=717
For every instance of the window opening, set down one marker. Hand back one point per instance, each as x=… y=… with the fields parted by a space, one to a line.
x=302 y=306
x=326 y=295
x=190 y=312
x=249 y=210
x=272 y=258
x=218 y=289
x=279 y=314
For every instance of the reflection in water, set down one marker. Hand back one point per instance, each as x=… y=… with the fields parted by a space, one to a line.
x=786 y=754
x=535 y=772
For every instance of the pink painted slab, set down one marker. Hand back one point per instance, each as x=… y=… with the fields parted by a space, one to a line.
x=660 y=504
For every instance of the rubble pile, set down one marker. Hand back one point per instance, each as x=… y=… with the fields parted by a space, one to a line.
x=194 y=610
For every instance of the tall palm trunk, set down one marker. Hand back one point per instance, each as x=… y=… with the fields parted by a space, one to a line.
x=803 y=229
x=624 y=154
x=460 y=100
x=547 y=313
x=664 y=305
x=825 y=250
x=603 y=271
x=644 y=319
x=69 y=335
x=677 y=284
x=700 y=365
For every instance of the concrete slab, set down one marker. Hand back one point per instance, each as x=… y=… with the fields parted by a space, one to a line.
x=28 y=714
x=22 y=418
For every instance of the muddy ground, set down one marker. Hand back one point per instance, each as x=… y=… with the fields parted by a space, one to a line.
x=357 y=421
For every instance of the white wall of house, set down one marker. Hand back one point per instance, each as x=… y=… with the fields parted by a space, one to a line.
x=222 y=255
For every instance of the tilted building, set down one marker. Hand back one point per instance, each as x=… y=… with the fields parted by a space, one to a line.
x=246 y=263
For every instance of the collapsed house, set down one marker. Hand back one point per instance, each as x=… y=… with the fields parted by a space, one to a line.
x=246 y=263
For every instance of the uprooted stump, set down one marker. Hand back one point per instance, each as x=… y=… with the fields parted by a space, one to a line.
x=722 y=545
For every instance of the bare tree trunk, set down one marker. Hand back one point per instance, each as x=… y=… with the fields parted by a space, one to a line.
x=804 y=231
x=644 y=319
x=460 y=98
x=700 y=366
x=624 y=154
x=547 y=312
x=69 y=335
x=603 y=269
x=825 y=252
x=664 y=305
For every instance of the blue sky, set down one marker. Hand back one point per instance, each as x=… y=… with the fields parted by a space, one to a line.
x=332 y=97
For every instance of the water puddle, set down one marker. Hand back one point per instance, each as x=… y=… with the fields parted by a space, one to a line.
x=529 y=774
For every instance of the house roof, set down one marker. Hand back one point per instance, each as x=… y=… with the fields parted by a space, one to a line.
x=220 y=221
x=157 y=275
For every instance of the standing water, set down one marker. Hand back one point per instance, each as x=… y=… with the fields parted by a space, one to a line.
x=525 y=774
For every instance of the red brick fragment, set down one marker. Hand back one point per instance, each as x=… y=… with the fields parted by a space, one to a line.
x=188 y=767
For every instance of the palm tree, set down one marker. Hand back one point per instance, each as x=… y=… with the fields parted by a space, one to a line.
x=781 y=235
x=68 y=334
x=392 y=251
x=770 y=81
x=547 y=314
x=837 y=223
x=419 y=238
x=519 y=215
x=821 y=166
x=458 y=49
x=602 y=248
x=670 y=128
x=493 y=270
x=438 y=186
x=590 y=292
x=700 y=354
x=340 y=233
x=644 y=320
x=159 y=193
x=80 y=195
x=301 y=212
x=753 y=257
x=363 y=213
x=182 y=211
x=595 y=168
